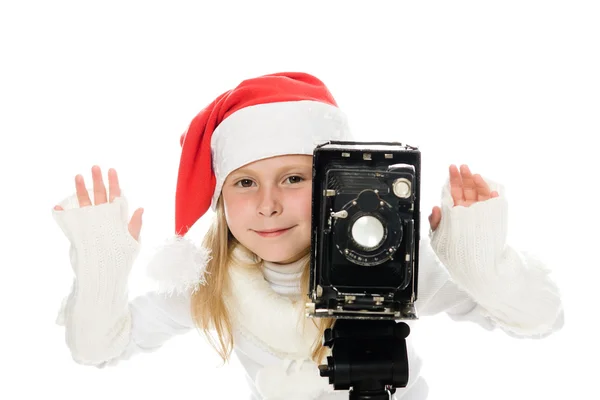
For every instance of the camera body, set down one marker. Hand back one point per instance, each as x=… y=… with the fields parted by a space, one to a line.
x=365 y=231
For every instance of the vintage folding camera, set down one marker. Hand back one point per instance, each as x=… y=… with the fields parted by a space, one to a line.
x=365 y=231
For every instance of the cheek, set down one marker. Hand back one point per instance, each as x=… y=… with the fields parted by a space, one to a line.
x=301 y=203
x=235 y=211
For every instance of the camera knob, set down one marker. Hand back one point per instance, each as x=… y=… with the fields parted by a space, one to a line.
x=402 y=188
x=340 y=214
x=325 y=370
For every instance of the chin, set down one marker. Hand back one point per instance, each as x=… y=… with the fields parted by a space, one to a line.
x=276 y=250
x=277 y=257
x=277 y=254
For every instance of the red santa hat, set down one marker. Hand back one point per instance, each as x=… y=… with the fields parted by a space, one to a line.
x=267 y=116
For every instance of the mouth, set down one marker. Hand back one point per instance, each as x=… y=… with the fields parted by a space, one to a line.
x=273 y=232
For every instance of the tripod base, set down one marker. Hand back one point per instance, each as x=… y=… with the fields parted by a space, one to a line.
x=369 y=357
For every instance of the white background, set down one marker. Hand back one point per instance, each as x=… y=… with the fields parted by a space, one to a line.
x=510 y=88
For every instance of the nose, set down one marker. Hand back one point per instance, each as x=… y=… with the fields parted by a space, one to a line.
x=269 y=202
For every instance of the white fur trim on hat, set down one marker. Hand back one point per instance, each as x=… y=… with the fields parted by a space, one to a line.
x=273 y=129
x=179 y=266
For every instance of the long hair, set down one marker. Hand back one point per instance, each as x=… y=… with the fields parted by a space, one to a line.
x=208 y=305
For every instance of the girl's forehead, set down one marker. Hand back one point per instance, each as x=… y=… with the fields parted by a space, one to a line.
x=285 y=161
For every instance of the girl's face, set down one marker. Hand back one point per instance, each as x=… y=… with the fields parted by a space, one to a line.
x=268 y=206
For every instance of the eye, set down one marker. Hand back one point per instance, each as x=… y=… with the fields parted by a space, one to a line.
x=295 y=179
x=244 y=182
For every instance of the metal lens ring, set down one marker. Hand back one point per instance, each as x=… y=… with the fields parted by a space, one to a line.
x=374 y=252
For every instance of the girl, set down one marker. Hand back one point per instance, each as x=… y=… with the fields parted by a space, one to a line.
x=248 y=155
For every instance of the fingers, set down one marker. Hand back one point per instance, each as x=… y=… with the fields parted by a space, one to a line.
x=469 y=184
x=99 y=188
x=135 y=224
x=82 y=194
x=456 y=186
x=114 y=189
x=467 y=188
x=482 y=188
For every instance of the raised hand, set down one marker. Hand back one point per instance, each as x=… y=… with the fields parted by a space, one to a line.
x=466 y=189
x=100 y=196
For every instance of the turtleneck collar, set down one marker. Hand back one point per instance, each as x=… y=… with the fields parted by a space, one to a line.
x=284 y=278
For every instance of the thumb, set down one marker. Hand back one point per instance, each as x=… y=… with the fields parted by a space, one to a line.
x=435 y=218
x=135 y=224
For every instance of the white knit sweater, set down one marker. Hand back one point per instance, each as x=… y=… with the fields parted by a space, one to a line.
x=466 y=270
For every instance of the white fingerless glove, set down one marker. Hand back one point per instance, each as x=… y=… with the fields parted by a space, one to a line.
x=96 y=313
x=511 y=286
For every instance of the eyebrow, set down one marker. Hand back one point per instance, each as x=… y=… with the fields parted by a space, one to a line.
x=250 y=171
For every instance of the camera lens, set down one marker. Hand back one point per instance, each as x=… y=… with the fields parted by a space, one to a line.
x=368 y=232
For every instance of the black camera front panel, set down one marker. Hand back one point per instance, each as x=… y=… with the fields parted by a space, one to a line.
x=365 y=225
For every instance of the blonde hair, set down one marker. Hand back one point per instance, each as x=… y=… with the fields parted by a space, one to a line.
x=208 y=306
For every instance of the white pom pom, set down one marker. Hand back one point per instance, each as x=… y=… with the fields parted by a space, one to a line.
x=179 y=266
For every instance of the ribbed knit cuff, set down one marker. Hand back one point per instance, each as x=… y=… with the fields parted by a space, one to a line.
x=470 y=240
x=102 y=250
x=472 y=237
x=513 y=287
x=102 y=253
